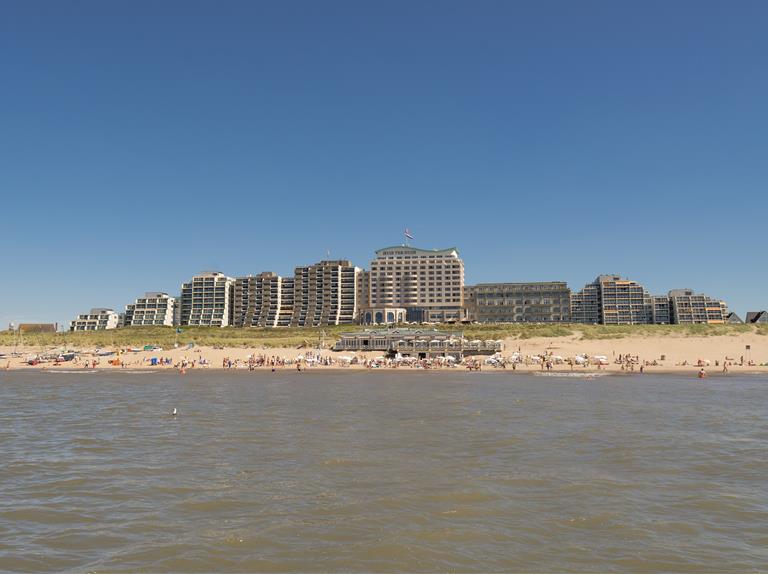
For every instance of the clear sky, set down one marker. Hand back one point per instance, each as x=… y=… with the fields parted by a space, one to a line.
x=144 y=141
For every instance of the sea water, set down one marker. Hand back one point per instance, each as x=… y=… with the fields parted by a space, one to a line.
x=391 y=471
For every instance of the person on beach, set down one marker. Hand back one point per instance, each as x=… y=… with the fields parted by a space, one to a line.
x=702 y=373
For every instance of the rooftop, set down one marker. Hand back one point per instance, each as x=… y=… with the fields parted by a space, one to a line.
x=408 y=250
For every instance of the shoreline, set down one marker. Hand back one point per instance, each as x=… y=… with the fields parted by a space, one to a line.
x=557 y=371
x=585 y=373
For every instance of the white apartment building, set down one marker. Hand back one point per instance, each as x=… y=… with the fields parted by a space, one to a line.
x=97 y=319
x=155 y=308
x=206 y=300
x=428 y=284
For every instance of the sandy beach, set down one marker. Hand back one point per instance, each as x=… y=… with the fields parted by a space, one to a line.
x=742 y=353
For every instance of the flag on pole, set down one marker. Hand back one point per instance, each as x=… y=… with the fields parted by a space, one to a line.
x=408 y=234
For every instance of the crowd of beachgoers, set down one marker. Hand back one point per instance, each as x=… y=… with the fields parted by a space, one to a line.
x=189 y=357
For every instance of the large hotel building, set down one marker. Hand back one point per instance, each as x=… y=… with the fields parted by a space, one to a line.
x=421 y=284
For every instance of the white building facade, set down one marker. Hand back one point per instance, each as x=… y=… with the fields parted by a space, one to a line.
x=155 y=308
x=97 y=319
x=428 y=284
x=206 y=300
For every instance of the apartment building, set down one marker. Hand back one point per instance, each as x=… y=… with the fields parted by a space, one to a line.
x=612 y=300
x=325 y=294
x=543 y=302
x=585 y=304
x=688 y=307
x=155 y=308
x=660 y=311
x=264 y=300
x=96 y=319
x=428 y=284
x=206 y=300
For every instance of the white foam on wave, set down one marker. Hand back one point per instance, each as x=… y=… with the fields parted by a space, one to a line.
x=573 y=375
x=69 y=372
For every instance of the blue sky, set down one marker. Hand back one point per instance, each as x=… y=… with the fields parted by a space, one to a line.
x=142 y=142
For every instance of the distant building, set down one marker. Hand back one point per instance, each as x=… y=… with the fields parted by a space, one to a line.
x=97 y=319
x=325 y=294
x=757 y=317
x=206 y=300
x=687 y=307
x=417 y=343
x=155 y=308
x=548 y=302
x=265 y=300
x=428 y=284
x=612 y=300
x=660 y=310
x=733 y=318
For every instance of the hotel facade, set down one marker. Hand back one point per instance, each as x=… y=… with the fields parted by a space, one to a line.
x=428 y=285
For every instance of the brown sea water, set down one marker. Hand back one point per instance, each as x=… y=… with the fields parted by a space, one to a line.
x=382 y=472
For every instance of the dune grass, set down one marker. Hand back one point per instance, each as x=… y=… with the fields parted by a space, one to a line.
x=295 y=337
